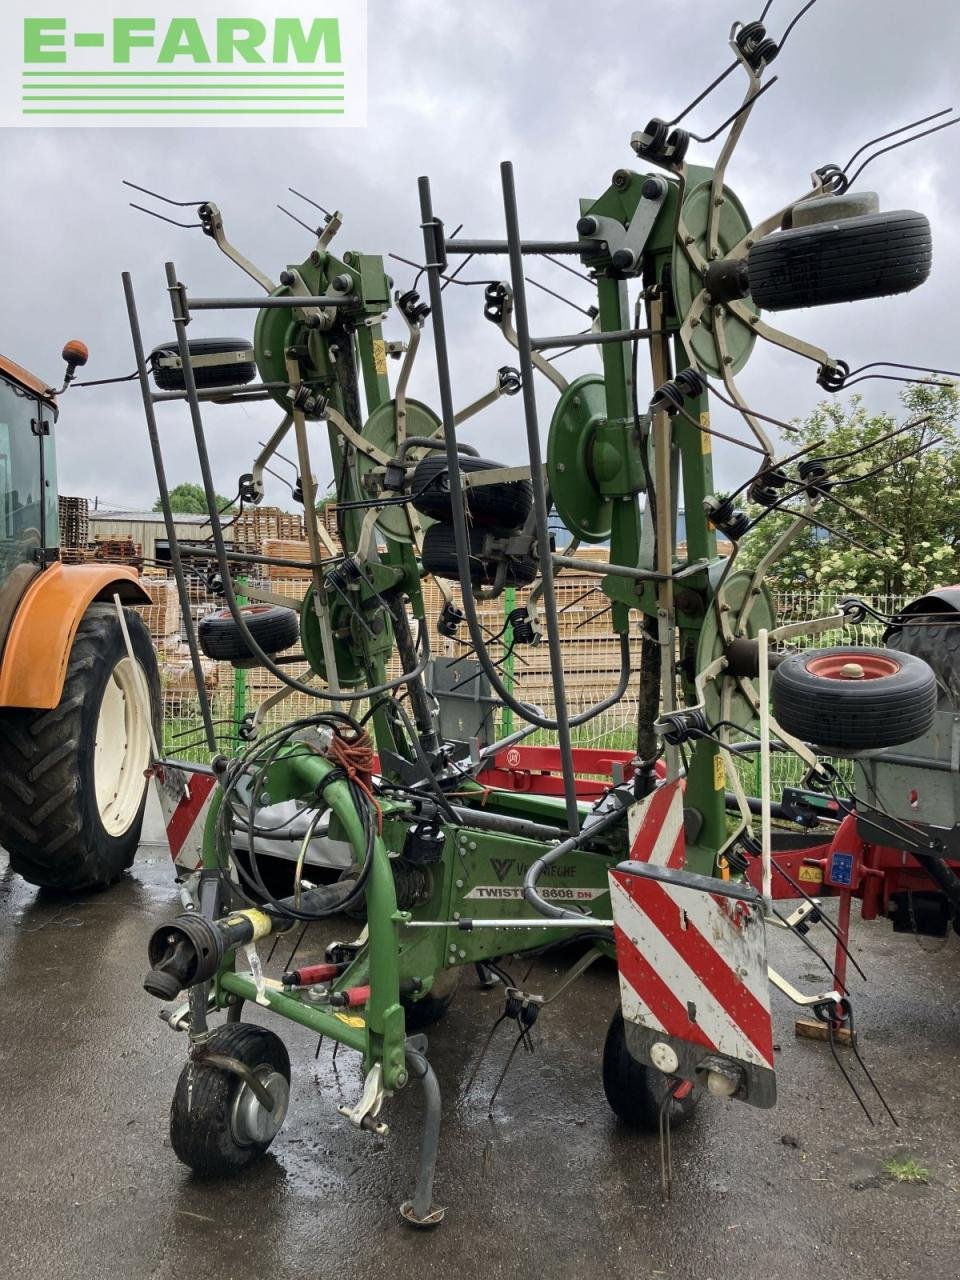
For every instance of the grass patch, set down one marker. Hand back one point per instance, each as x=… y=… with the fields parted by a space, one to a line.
x=905 y=1170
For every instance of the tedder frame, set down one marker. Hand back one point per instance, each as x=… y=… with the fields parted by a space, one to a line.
x=452 y=872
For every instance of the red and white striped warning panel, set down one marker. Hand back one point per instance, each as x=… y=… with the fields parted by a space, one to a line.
x=691 y=952
x=184 y=799
x=656 y=827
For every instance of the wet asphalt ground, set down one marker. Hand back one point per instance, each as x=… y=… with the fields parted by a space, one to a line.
x=549 y=1186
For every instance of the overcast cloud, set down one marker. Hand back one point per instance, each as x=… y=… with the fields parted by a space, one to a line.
x=455 y=88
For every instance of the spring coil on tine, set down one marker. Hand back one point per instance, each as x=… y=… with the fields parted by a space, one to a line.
x=677 y=145
x=765 y=489
x=814 y=474
x=680 y=726
x=670 y=397
x=525 y=629
x=833 y=377
x=662 y=143
x=341 y=576
x=726 y=518
x=834 y=180
x=509 y=381
x=450 y=619
x=410 y=305
x=658 y=133
x=494 y=296
x=853 y=610
x=756 y=47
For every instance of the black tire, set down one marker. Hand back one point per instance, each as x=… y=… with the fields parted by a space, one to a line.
x=208 y=1131
x=429 y=1009
x=636 y=1092
x=231 y=373
x=50 y=822
x=895 y=703
x=499 y=506
x=273 y=627
x=936 y=641
x=440 y=558
x=870 y=256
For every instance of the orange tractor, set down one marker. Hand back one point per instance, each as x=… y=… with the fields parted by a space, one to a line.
x=79 y=685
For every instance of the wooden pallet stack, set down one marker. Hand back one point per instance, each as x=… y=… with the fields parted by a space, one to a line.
x=74 y=523
x=163 y=615
x=256 y=524
x=116 y=551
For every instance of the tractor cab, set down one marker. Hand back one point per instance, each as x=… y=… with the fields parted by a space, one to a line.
x=29 y=518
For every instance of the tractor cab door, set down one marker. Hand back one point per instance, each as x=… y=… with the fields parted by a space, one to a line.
x=29 y=518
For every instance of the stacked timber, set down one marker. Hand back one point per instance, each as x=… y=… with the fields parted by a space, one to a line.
x=74 y=523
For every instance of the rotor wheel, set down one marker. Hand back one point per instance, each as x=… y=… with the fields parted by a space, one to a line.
x=738 y=337
x=571 y=461
x=380 y=430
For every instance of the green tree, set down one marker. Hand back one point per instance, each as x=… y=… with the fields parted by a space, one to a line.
x=915 y=500
x=188 y=499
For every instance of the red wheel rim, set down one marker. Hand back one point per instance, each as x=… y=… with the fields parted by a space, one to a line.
x=853 y=666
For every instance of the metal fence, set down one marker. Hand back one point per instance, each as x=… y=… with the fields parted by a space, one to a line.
x=590 y=659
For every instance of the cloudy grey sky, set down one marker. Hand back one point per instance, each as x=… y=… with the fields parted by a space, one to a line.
x=455 y=88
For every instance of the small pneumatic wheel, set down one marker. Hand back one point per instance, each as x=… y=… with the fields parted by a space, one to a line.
x=854 y=698
x=218 y=1125
x=271 y=626
x=636 y=1092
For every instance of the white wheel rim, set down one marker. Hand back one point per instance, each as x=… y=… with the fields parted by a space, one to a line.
x=122 y=750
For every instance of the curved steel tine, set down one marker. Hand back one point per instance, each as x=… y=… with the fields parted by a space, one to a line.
x=180 y=204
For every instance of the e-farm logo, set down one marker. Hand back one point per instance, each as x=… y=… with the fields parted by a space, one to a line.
x=137 y=64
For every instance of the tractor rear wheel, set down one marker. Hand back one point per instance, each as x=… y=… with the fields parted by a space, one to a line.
x=73 y=783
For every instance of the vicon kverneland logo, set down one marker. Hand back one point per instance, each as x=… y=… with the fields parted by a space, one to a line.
x=274 y=65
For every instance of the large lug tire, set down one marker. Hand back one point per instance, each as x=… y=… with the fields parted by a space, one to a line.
x=935 y=639
x=217 y=1124
x=636 y=1092
x=866 y=257
x=273 y=627
x=854 y=699
x=73 y=785
x=500 y=506
x=440 y=558
x=236 y=367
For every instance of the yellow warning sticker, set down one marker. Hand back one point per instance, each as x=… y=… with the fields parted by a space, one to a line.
x=705 y=440
x=813 y=875
x=380 y=355
x=351 y=1019
x=719 y=774
x=262 y=924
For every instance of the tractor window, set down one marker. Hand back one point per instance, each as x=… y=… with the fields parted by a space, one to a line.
x=21 y=493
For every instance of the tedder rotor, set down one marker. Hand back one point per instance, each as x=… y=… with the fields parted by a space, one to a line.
x=450 y=872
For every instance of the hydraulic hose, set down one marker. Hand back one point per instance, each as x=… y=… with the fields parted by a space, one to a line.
x=536 y=869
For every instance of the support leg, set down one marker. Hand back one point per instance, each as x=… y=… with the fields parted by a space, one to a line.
x=421 y=1211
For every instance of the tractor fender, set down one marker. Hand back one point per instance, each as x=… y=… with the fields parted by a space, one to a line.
x=34 y=661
